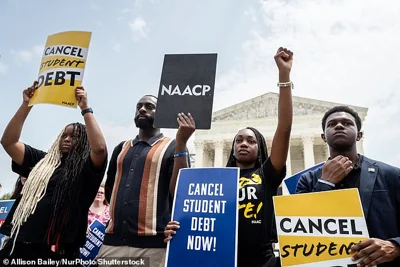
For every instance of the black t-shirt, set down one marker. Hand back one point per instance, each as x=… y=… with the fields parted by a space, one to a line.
x=35 y=228
x=256 y=213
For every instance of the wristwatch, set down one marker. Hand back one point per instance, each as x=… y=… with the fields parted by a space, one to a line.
x=83 y=112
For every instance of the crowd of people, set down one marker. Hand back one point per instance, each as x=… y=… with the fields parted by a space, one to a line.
x=60 y=192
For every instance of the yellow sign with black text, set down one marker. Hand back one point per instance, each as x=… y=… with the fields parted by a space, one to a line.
x=62 y=68
x=318 y=229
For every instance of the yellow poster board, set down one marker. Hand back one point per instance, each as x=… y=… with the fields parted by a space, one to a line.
x=62 y=68
x=318 y=229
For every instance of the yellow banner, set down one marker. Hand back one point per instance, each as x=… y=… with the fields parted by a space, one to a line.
x=318 y=229
x=62 y=68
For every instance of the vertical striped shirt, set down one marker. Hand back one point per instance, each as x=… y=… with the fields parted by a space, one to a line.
x=137 y=188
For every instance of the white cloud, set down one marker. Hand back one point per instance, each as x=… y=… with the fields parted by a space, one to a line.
x=38 y=50
x=251 y=13
x=116 y=47
x=138 y=27
x=94 y=6
x=125 y=10
x=26 y=56
x=138 y=3
x=3 y=68
x=344 y=51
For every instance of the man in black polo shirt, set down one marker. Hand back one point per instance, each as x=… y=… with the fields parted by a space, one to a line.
x=378 y=184
x=140 y=186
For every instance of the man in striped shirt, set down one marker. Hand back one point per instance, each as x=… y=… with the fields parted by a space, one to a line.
x=140 y=186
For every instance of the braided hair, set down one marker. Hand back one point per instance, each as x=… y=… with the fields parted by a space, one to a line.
x=67 y=190
x=262 y=154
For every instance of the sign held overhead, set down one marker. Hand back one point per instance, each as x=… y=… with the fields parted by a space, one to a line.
x=187 y=85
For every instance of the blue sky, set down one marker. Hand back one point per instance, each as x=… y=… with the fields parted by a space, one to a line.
x=345 y=51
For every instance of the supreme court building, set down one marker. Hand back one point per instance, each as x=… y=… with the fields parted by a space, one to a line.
x=212 y=147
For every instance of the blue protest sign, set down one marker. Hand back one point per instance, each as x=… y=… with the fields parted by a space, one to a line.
x=291 y=182
x=5 y=208
x=94 y=240
x=206 y=206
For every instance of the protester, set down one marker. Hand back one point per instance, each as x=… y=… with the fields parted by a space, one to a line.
x=142 y=177
x=52 y=210
x=100 y=208
x=18 y=187
x=261 y=174
x=378 y=184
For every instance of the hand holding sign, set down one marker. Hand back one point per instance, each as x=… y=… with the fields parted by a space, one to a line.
x=81 y=96
x=169 y=230
x=284 y=59
x=28 y=92
x=336 y=169
x=187 y=126
x=375 y=251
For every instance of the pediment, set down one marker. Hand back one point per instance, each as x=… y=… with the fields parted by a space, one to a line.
x=266 y=106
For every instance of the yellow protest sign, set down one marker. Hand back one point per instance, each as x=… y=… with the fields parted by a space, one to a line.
x=62 y=68
x=318 y=229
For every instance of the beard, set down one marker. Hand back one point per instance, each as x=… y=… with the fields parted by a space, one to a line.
x=144 y=123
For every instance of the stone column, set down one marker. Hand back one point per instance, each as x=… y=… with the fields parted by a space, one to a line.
x=289 y=162
x=308 y=149
x=219 y=153
x=360 y=146
x=227 y=151
x=268 y=146
x=199 y=157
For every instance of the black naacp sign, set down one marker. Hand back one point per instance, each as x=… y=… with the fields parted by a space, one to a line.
x=187 y=85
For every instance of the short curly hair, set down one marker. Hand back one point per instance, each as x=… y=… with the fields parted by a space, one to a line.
x=342 y=109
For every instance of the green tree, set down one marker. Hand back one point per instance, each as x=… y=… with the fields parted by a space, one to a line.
x=6 y=196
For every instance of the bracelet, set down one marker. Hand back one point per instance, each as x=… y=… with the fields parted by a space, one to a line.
x=182 y=154
x=326 y=182
x=83 y=112
x=285 y=84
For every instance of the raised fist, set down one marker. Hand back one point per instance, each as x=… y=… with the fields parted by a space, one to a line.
x=284 y=59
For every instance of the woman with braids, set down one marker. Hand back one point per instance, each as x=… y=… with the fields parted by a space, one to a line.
x=260 y=177
x=49 y=218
